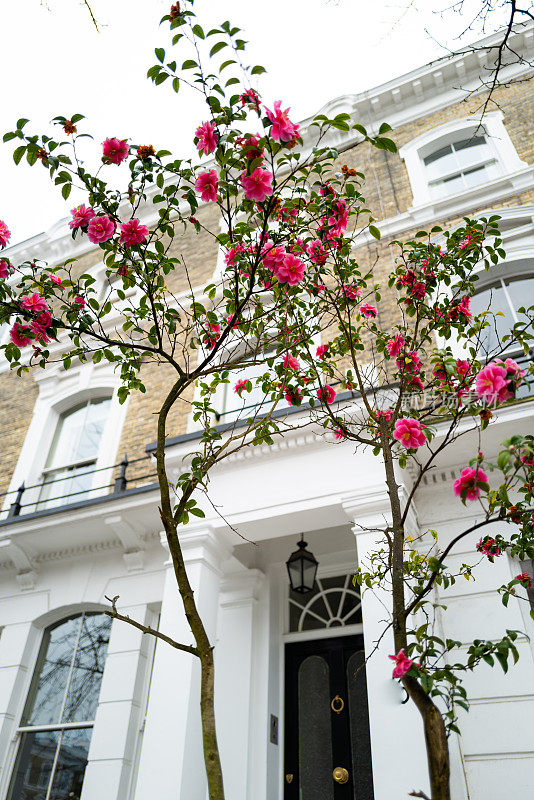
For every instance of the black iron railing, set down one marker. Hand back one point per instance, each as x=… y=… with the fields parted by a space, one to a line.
x=120 y=482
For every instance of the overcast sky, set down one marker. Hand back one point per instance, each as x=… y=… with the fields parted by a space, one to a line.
x=53 y=61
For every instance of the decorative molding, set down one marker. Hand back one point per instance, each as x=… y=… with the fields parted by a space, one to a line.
x=24 y=562
x=241 y=589
x=130 y=540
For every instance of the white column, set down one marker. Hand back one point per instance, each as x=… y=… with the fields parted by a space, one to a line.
x=234 y=675
x=397 y=737
x=118 y=715
x=172 y=764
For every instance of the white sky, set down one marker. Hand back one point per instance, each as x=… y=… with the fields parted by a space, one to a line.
x=54 y=62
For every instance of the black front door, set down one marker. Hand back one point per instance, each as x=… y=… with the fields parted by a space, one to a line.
x=327 y=744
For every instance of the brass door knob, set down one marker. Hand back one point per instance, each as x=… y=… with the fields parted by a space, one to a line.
x=340 y=775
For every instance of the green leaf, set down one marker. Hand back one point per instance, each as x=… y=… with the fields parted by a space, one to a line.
x=197 y=30
x=189 y=64
x=375 y=232
x=217 y=47
x=384 y=128
x=176 y=84
x=66 y=190
x=160 y=54
x=258 y=69
x=18 y=153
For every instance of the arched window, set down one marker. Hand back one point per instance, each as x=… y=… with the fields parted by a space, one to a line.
x=459 y=156
x=56 y=726
x=460 y=164
x=69 y=468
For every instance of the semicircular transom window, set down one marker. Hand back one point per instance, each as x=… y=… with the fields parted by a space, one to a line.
x=333 y=603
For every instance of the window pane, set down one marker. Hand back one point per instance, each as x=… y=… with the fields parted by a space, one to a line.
x=493 y=299
x=441 y=164
x=471 y=151
x=91 y=433
x=472 y=141
x=50 y=680
x=78 y=481
x=475 y=176
x=84 y=687
x=34 y=766
x=71 y=764
x=437 y=154
x=521 y=291
x=448 y=186
x=78 y=434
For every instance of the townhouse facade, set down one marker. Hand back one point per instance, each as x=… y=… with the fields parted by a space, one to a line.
x=90 y=708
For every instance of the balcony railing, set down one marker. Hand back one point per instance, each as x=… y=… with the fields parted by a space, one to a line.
x=25 y=499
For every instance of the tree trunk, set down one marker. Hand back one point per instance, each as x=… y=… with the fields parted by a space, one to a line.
x=437 y=749
x=205 y=650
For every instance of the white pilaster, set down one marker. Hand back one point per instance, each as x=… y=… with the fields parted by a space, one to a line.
x=234 y=676
x=118 y=715
x=397 y=738
x=172 y=764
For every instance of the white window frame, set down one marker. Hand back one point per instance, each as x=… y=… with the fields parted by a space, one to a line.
x=501 y=148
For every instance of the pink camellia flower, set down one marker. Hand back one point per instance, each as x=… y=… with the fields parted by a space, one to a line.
x=463 y=367
x=250 y=97
x=207 y=184
x=290 y=362
x=115 y=150
x=514 y=373
x=293 y=397
x=100 y=229
x=282 y=128
x=317 y=253
x=326 y=394
x=19 y=335
x=81 y=217
x=395 y=345
x=488 y=546
x=273 y=257
x=339 y=220
x=525 y=579
x=351 y=291
x=386 y=414
x=80 y=301
x=462 y=309
x=291 y=270
x=368 y=311
x=403 y=664
x=340 y=436
x=416 y=382
x=240 y=386
x=132 y=232
x=55 y=279
x=44 y=319
x=470 y=483
x=492 y=384
x=5 y=269
x=409 y=362
x=207 y=138
x=40 y=333
x=251 y=147
x=33 y=302
x=258 y=185
x=213 y=334
x=5 y=234
x=409 y=432
x=232 y=254
x=322 y=351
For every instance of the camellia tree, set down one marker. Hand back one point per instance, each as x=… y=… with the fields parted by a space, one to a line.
x=289 y=214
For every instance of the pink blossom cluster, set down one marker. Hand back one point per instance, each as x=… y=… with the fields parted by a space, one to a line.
x=133 y=233
x=287 y=267
x=326 y=394
x=23 y=334
x=5 y=269
x=290 y=362
x=5 y=234
x=395 y=345
x=409 y=432
x=81 y=217
x=213 y=334
x=367 y=310
x=258 y=185
x=207 y=185
x=409 y=362
x=403 y=664
x=488 y=546
x=525 y=579
x=250 y=98
x=240 y=386
x=207 y=138
x=470 y=483
x=497 y=381
x=282 y=128
x=115 y=150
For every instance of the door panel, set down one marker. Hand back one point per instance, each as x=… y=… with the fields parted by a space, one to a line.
x=327 y=721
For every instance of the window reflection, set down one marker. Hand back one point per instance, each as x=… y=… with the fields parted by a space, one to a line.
x=65 y=689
